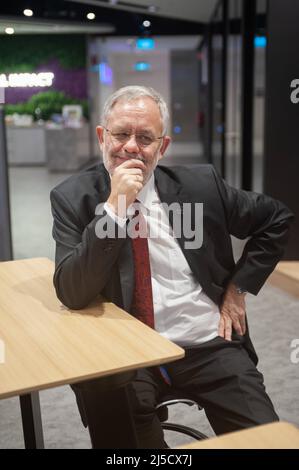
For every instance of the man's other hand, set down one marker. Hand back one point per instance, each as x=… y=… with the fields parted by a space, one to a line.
x=232 y=313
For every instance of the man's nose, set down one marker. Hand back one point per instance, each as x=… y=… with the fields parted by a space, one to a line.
x=131 y=144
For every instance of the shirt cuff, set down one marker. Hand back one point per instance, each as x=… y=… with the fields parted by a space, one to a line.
x=121 y=221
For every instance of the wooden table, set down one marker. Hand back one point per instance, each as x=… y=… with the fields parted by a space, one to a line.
x=286 y=276
x=278 y=435
x=47 y=345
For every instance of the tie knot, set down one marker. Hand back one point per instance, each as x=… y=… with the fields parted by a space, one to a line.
x=139 y=226
x=137 y=207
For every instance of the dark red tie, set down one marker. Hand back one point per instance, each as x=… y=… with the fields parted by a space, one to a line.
x=142 y=304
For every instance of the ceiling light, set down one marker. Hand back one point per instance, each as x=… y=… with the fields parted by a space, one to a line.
x=28 y=12
x=9 y=30
x=91 y=16
x=146 y=24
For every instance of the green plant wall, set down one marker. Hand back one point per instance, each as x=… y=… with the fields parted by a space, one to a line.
x=23 y=53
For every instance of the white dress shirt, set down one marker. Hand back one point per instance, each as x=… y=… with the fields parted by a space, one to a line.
x=182 y=311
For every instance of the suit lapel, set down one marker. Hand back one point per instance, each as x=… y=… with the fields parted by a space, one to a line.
x=171 y=191
x=103 y=185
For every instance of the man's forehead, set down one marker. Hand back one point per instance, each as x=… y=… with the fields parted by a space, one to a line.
x=139 y=104
x=144 y=108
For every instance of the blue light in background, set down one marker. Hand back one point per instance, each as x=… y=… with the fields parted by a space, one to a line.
x=145 y=44
x=177 y=129
x=105 y=73
x=260 y=41
x=142 y=66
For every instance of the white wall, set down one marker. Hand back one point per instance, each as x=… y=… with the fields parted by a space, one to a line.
x=121 y=55
x=158 y=77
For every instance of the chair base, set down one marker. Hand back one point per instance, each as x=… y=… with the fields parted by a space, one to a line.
x=184 y=430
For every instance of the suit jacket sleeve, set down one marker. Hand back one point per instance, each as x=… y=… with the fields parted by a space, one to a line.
x=84 y=261
x=266 y=221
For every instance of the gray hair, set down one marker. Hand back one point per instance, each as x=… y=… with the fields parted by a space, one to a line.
x=132 y=92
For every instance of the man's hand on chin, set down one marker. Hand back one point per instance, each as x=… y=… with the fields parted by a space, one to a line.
x=127 y=181
x=232 y=313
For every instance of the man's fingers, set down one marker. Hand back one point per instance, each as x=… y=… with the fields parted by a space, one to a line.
x=221 y=327
x=225 y=328
x=132 y=179
x=243 y=324
x=228 y=329
x=238 y=328
x=132 y=163
x=131 y=171
x=239 y=324
x=138 y=178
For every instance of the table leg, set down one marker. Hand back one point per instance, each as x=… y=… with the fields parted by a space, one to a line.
x=32 y=421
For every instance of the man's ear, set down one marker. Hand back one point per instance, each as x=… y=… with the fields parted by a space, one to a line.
x=100 y=134
x=165 y=143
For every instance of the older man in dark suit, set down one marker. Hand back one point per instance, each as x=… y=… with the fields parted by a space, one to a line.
x=181 y=280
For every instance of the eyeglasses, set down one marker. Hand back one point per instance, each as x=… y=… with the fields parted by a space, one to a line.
x=142 y=140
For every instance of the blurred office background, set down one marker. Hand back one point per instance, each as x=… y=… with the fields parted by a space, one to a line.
x=225 y=68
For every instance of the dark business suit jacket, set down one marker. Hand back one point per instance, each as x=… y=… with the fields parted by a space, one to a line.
x=87 y=266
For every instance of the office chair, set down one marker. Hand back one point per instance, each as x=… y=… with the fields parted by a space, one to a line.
x=173 y=398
